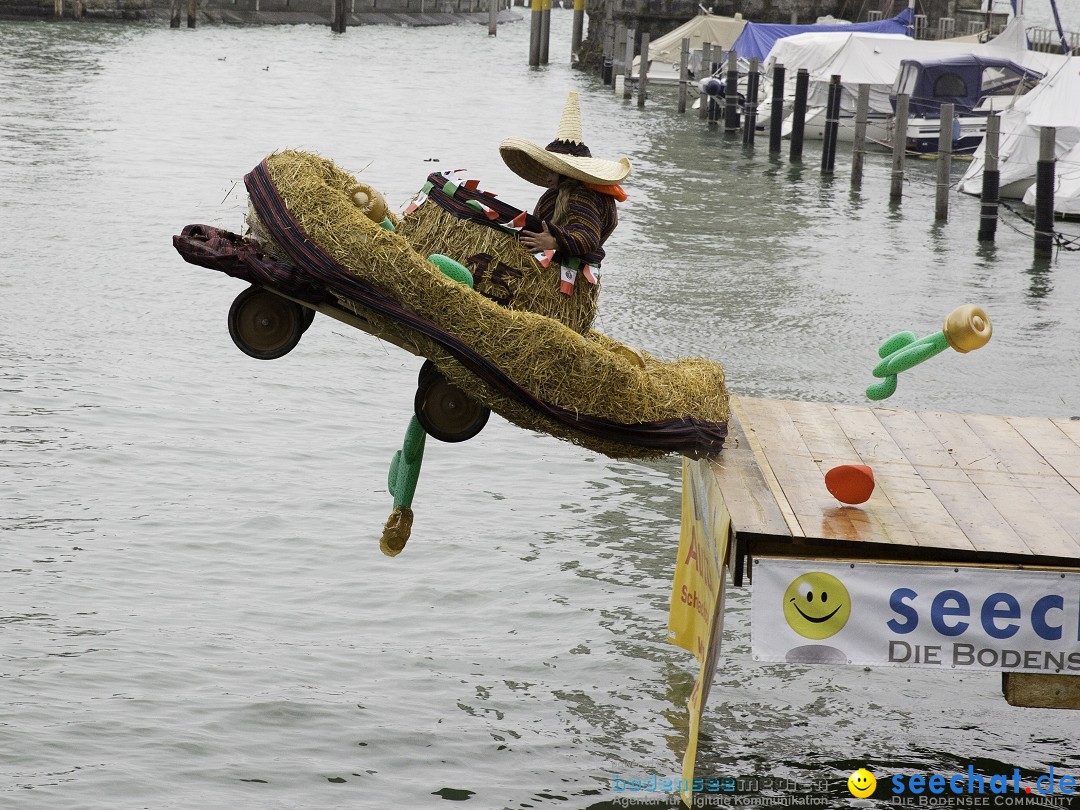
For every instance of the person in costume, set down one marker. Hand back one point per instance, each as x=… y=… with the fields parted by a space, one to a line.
x=578 y=208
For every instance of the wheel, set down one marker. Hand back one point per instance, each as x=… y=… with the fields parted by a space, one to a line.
x=427 y=370
x=444 y=411
x=264 y=325
x=308 y=315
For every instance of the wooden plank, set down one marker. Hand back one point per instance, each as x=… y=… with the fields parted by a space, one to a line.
x=1052 y=506
x=929 y=521
x=969 y=507
x=747 y=495
x=1053 y=444
x=830 y=446
x=989 y=471
x=1041 y=691
x=753 y=442
x=801 y=482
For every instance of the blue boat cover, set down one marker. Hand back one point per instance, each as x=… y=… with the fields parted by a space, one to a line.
x=961 y=80
x=757 y=39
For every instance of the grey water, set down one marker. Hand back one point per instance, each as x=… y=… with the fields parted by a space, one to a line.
x=194 y=611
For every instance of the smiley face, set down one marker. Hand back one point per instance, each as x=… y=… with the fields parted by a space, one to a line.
x=816 y=605
x=862 y=783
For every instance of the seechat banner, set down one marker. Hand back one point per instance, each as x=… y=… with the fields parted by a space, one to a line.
x=942 y=617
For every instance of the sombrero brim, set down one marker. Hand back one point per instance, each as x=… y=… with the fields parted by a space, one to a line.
x=534 y=163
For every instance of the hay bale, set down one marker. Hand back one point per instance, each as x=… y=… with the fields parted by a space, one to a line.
x=502 y=268
x=588 y=374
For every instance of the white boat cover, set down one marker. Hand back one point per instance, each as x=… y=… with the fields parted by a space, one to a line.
x=1052 y=103
x=665 y=52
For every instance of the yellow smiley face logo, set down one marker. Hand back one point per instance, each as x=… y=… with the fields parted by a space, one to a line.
x=816 y=605
x=862 y=783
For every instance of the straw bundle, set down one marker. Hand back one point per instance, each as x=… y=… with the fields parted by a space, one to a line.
x=587 y=374
x=502 y=268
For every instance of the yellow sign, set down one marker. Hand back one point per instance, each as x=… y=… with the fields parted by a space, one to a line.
x=696 y=616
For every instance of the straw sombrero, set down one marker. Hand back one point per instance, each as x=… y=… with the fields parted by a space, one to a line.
x=567 y=155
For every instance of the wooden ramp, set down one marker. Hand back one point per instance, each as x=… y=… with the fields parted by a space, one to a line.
x=950 y=488
x=986 y=491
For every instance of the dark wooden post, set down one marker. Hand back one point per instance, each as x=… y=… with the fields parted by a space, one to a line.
x=579 y=26
x=776 y=113
x=1044 y=192
x=628 y=66
x=944 y=167
x=706 y=66
x=750 y=122
x=896 y=188
x=174 y=21
x=545 y=29
x=858 y=148
x=684 y=66
x=991 y=180
x=534 y=32
x=832 y=126
x=192 y=10
x=798 y=114
x=731 y=97
x=643 y=69
x=493 y=20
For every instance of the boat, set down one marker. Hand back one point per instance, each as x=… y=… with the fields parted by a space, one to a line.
x=1055 y=102
x=976 y=85
x=665 y=53
x=314 y=245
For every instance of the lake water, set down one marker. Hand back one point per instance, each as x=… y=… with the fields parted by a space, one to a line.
x=195 y=612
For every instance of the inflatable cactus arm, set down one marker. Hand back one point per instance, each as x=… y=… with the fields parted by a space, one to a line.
x=966 y=328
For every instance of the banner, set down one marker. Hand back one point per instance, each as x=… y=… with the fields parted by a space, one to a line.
x=696 y=615
x=939 y=617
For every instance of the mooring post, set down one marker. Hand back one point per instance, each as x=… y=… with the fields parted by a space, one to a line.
x=545 y=29
x=714 y=104
x=1044 y=192
x=643 y=70
x=750 y=123
x=944 y=167
x=832 y=126
x=731 y=93
x=706 y=63
x=617 y=51
x=684 y=67
x=534 y=33
x=991 y=180
x=493 y=19
x=578 y=30
x=776 y=112
x=174 y=21
x=896 y=189
x=192 y=9
x=58 y=8
x=858 y=147
x=628 y=65
x=798 y=114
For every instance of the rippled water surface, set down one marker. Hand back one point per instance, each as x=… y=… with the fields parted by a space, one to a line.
x=195 y=611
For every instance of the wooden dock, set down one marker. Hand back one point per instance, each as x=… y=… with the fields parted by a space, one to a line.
x=971 y=490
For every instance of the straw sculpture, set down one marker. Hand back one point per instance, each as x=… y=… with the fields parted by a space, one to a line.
x=587 y=374
x=502 y=268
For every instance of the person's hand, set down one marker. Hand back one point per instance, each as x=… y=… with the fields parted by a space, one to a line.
x=539 y=242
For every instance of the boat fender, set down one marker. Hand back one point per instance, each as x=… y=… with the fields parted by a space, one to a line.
x=452 y=269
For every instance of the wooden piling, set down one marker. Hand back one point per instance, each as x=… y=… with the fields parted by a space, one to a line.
x=858 y=147
x=731 y=93
x=58 y=8
x=991 y=180
x=896 y=189
x=579 y=27
x=1044 y=193
x=798 y=114
x=832 y=126
x=174 y=21
x=706 y=61
x=534 y=33
x=714 y=105
x=776 y=112
x=545 y=29
x=750 y=122
x=684 y=72
x=337 y=16
x=493 y=20
x=643 y=69
x=945 y=150
x=628 y=64
x=192 y=9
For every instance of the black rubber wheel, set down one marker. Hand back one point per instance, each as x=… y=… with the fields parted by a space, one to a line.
x=308 y=316
x=444 y=411
x=264 y=325
x=426 y=371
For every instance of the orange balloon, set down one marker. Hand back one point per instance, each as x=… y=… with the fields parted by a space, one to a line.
x=850 y=483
